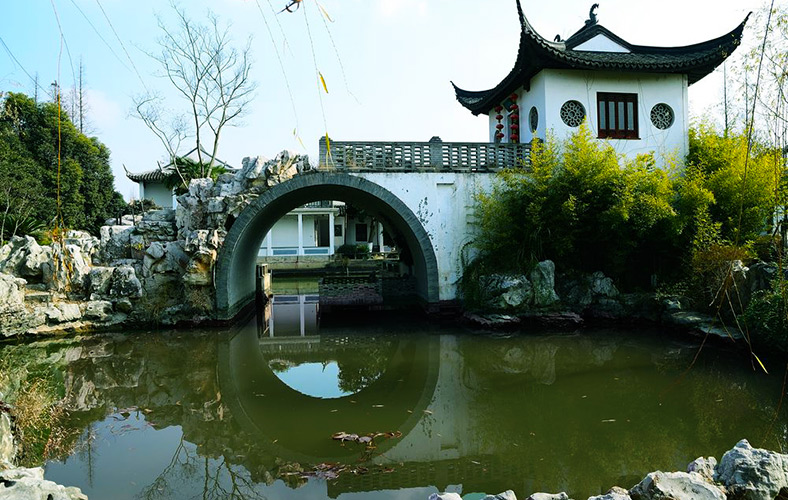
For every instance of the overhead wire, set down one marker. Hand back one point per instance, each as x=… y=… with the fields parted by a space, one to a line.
x=325 y=19
x=13 y=57
x=101 y=37
x=319 y=76
x=279 y=58
x=123 y=46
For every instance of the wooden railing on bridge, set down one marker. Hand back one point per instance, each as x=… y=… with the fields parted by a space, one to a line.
x=434 y=155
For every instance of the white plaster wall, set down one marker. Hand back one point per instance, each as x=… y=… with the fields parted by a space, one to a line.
x=285 y=232
x=601 y=43
x=157 y=192
x=525 y=100
x=550 y=89
x=582 y=86
x=443 y=203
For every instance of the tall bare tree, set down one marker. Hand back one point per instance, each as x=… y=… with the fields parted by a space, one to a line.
x=212 y=77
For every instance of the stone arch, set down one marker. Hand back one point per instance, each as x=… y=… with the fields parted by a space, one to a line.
x=234 y=272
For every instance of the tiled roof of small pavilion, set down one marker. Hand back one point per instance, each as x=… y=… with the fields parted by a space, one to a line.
x=536 y=53
x=161 y=173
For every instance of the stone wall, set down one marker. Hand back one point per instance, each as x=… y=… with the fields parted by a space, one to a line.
x=153 y=269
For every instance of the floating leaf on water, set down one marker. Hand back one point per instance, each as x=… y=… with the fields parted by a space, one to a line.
x=377 y=406
x=333 y=411
x=607 y=421
x=339 y=436
x=475 y=462
x=428 y=412
x=365 y=439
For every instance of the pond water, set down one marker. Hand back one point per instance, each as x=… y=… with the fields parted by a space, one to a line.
x=251 y=412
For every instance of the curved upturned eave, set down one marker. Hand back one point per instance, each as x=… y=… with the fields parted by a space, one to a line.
x=536 y=53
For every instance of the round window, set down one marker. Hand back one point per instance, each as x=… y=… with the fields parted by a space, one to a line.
x=662 y=116
x=573 y=113
x=533 y=118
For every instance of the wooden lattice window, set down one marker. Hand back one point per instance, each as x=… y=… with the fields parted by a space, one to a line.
x=617 y=115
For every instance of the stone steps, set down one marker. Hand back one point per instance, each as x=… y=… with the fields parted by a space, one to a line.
x=37 y=296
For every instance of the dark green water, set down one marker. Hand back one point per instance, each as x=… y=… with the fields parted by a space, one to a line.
x=250 y=412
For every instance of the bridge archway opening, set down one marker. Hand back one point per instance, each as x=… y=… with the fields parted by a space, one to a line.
x=234 y=275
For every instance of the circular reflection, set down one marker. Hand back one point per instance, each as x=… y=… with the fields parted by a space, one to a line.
x=318 y=380
x=329 y=368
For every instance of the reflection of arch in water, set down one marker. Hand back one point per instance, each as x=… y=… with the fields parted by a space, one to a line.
x=297 y=427
x=234 y=274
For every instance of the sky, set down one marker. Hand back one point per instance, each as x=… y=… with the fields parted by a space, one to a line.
x=387 y=63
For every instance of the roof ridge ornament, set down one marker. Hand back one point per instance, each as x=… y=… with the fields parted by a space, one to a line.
x=592 y=19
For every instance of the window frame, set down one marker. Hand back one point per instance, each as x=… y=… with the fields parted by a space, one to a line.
x=621 y=101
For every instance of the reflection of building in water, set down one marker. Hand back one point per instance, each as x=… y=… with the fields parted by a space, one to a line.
x=291 y=316
x=319 y=228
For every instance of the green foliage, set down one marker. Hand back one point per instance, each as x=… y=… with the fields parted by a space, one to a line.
x=745 y=190
x=29 y=167
x=188 y=169
x=767 y=316
x=579 y=207
x=586 y=209
x=359 y=251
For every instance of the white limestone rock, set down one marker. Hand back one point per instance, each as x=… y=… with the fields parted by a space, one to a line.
x=199 y=271
x=98 y=282
x=445 y=496
x=703 y=466
x=251 y=168
x=115 y=242
x=752 y=473
x=14 y=254
x=33 y=265
x=615 y=493
x=675 y=486
x=549 y=496
x=7 y=445
x=125 y=283
x=98 y=310
x=543 y=281
x=29 y=484
x=62 y=313
x=602 y=286
x=506 y=495
x=12 y=293
x=88 y=243
x=163 y=215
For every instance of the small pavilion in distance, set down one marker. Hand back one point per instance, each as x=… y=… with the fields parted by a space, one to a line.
x=635 y=96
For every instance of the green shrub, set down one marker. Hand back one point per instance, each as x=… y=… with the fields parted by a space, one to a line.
x=579 y=206
x=767 y=316
x=358 y=251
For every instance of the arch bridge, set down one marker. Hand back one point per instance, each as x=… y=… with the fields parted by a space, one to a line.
x=423 y=191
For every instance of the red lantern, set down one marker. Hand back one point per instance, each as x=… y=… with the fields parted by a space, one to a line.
x=498 y=109
x=513 y=97
x=499 y=136
x=499 y=117
x=513 y=107
x=499 y=126
x=515 y=126
x=514 y=137
x=514 y=116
